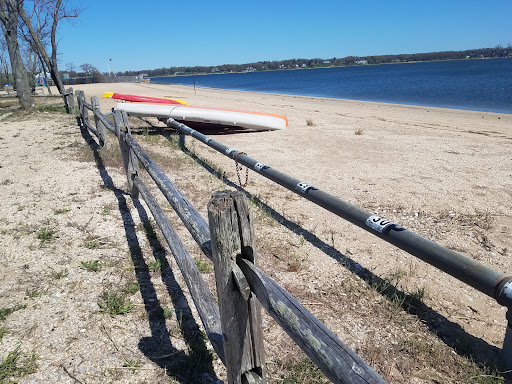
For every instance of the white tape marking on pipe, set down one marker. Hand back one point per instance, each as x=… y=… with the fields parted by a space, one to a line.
x=303 y=187
x=507 y=290
x=378 y=223
x=259 y=166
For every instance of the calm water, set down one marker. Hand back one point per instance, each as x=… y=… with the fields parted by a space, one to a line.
x=480 y=85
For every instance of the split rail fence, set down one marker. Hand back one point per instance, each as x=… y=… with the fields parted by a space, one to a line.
x=234 y=326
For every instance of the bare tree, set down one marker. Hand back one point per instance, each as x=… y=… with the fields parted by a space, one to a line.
x=40 y=23
x=70 y=67
x=88 y=69
x=54 y=10
x=5 y=68
x=9 y=12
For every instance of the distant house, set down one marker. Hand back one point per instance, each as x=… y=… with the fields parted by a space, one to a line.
x=362 y=62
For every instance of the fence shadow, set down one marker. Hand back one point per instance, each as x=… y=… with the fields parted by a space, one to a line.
x=451 y=333
x=197 y=365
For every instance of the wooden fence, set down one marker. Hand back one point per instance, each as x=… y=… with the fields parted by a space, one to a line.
x=234 y=325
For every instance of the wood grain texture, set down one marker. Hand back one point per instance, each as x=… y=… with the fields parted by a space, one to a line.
x=232 y=234
x=100 y=127
x=131 y=164
x=339 y=363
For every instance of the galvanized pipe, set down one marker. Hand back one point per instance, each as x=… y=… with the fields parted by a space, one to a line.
x=469 y=271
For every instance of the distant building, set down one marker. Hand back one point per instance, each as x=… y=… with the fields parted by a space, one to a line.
x=362 y=62
x=41 y=80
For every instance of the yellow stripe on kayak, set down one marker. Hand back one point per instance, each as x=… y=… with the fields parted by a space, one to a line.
x=109 y=95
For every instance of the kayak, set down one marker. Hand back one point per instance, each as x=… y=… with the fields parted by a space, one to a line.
x=143 y=99
x=208 y=116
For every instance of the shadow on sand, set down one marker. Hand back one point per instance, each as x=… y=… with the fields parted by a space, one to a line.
x=194 y=366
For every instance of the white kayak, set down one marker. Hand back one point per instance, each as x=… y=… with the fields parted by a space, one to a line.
x=211 y=116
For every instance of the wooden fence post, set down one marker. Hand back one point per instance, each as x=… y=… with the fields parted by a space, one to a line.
x=232 y=236
x=79 y=102
x=100 y=127
x=71 y=100
x=131 y=163
x=84 y=112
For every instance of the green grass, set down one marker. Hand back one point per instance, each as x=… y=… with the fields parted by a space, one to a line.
x=4 y=312
x=301 y=372
x=91 y=244
x=51 y=108
x=3 y=331
x=46 y=235
x=56 y=275
x=203 y=266
x=167 y=312
x=33 y=293
x=114 y=303
x=131 y=288
x=61 y=211
x=134 y=364
x=91 y=266
x=16 y=364
x=155 y=266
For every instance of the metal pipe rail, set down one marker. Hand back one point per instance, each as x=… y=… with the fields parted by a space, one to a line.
x=493 y=283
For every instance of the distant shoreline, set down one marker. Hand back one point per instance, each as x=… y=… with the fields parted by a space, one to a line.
x=440 y=84
x=326 y=67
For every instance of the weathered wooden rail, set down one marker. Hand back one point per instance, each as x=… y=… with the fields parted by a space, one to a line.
x=234 y=326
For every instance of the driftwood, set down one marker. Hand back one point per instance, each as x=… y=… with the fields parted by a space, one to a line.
x=232 y=233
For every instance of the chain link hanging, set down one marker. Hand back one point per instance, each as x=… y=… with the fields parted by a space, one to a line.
x=239 y=168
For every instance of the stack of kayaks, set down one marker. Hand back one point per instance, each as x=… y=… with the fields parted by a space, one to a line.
x=143 y=99
x=165 y=108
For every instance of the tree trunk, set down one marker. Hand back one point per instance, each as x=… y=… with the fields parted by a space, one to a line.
x=44 y=74
x=51 y=64
x=9 y=11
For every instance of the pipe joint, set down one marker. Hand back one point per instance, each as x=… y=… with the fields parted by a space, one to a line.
x=503 y=295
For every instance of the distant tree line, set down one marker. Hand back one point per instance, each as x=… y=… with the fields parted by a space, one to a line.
x=495 y=52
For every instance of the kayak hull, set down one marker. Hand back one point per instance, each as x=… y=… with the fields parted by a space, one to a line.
x=210 y=116
x=143 y=99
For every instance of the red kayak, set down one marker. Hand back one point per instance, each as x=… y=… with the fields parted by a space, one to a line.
x=144 y=99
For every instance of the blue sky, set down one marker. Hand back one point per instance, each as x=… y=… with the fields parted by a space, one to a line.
x=150 y=34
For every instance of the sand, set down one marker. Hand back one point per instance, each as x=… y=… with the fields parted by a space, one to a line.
x=444 y=174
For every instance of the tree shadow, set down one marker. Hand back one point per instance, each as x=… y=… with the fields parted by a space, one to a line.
x=194 y=366
x=451 y=333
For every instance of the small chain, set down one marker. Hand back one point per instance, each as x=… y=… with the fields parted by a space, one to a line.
x=238 y=168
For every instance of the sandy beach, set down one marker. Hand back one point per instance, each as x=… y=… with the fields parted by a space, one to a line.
x=444 y=174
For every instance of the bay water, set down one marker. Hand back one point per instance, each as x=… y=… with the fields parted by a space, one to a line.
x=473 y=84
